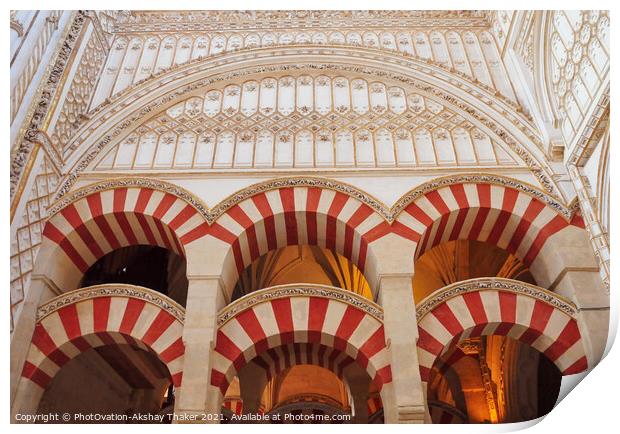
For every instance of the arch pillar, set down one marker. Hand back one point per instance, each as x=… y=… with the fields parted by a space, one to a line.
x=205 y=297
x=393 y=278
x=26 y=399
x=41 y=290
x=599 y=239
x=48 y=281
x=566 y=266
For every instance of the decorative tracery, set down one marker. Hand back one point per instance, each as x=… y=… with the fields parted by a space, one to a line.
x=136 y=57
x=306 y=121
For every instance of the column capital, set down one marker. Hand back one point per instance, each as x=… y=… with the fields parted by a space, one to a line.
x=411 y=413
x=393 y=255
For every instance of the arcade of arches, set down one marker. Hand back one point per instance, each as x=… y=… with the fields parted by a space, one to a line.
x=385 y=217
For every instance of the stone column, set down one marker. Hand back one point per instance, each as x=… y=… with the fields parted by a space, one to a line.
x=393 y=256
x=598 y=237
x=41 y=290
x=565 y=265
x=205 y=297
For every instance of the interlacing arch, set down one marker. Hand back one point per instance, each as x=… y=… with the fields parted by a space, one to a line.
x=106 y=216
x=112 y=314
x=300 y=314
x=496 y=306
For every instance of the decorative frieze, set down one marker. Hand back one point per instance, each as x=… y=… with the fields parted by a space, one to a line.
x=47 y=92
x=467 y=52
x=78 y=96
x=218 y=20
x=18 y=91
x=306 y=121
x=112 y=290
x=25 y=245
x=497 y=284
x=306 y=290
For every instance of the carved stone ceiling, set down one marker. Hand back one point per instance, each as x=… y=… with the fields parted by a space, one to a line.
x=306 y=121
x=148 y=43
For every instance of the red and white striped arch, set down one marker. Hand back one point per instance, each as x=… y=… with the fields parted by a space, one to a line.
x=88 y=228
x=298 y=215
x=508 y=218
x=275 y=360
x=272 y=323
x=103 y=320
x=533 y=321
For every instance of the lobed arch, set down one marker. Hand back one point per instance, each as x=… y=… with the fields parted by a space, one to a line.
x=497 y=118
x=99 y=218
x=496 y=306
x=91 y=317
x=293 y=314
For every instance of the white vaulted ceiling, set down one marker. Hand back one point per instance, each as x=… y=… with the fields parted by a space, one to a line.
x=471 y=52
x=306 y=121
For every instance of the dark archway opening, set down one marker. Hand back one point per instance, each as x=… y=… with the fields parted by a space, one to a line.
x=149 y=266
x=301 y=264
x=492 y=379
x=109 y=383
